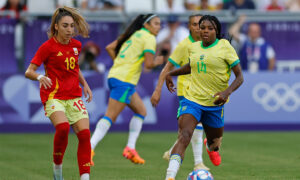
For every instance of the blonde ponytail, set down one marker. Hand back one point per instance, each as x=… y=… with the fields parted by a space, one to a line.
x=81 y=26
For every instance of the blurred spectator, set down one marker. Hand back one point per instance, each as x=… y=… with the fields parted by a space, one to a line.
x=72 y=3
x=170 y=6
x=274 y=6
x=170 y=36
x=88 y=55
x=293 y=5
x=15 y=5
x=95 y=5
x=262 y=5
x=239 y=4
x=211 y=5
x=254 y=52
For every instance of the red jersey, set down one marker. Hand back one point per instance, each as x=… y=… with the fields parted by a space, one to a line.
x=61 y=66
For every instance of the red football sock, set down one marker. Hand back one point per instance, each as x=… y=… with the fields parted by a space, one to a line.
x=84 y=151
x=60 y=142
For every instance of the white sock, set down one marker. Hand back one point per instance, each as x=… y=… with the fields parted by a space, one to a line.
x=101 y=129
x=174 y=164
x=57 y=171
x=197 y=144
x=85 y=176
x=135 y=127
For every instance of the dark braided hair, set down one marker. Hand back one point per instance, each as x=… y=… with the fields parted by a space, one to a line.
x=215 y=22
x=217 y=26
x=136 y=24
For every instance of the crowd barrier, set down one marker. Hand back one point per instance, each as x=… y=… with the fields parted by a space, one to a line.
x=282 y=35
x=266 y=101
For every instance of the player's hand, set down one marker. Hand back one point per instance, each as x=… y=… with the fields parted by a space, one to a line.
x=170 y=84
x=159 y=60
x=87 y=91
x=155 y=98
x=45 y=82
x=221 y=98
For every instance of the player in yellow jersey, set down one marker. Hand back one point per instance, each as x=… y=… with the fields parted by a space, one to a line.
x=211 y=62
x=177 y=59
x=133 y=48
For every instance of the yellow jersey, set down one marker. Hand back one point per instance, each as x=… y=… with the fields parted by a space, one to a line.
x=210 y=70
x=180 y=57
x=127 y=65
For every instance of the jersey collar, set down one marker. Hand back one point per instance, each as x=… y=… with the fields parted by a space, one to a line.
x=191 y=38
x=144 y=29
x=212 y=45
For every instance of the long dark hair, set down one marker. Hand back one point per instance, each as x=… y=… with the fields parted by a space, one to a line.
x=137 y=24
x=20 y=5
x=217 y=26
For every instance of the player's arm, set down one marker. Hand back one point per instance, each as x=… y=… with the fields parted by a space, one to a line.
x=186 y=69
x=235 y=28
x=110 y=48
x=155 y=98
x=271 y=58
x=30 y=73
x=238 y=81
x=86 y=87
x=272 y=63
x=150 y=63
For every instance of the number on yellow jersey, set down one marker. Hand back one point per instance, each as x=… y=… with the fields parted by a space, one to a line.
x=128 y=43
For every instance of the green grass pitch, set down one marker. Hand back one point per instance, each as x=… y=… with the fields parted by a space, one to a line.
x=245 y=156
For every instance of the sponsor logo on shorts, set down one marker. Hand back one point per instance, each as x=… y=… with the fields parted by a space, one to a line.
x=183 y=108
x=52 y=106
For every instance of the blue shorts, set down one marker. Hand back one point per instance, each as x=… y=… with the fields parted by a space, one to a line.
x=180 y=98
x=212 y=116
x=120 y=91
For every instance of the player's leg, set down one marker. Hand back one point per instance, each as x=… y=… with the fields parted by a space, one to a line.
x=135 y=127
x=113 y=110
x=55 y=110
x=167 y=154
x=118 y=98
x=81 y=128
x=79 y=119
x=197 y=146
x=186 y=125
x=213 y=123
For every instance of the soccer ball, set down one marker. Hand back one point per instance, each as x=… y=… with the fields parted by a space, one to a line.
x=200 y=174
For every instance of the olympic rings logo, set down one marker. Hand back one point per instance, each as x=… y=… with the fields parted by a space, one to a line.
x=281 y=95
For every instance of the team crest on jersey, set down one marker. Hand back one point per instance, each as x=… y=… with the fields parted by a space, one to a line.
x=202 y=57
x=75 y=51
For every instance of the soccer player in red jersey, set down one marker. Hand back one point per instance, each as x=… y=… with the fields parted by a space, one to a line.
x=59 y=87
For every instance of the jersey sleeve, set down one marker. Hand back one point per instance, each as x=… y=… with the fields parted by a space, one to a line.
x=231 y=57
x=178 y=54
x=41 y=55
x=150 y=45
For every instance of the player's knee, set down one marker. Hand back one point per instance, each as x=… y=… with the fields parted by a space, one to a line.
x=142 y=111
x=62 y=128
x=84 y=135
x=215 y=144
